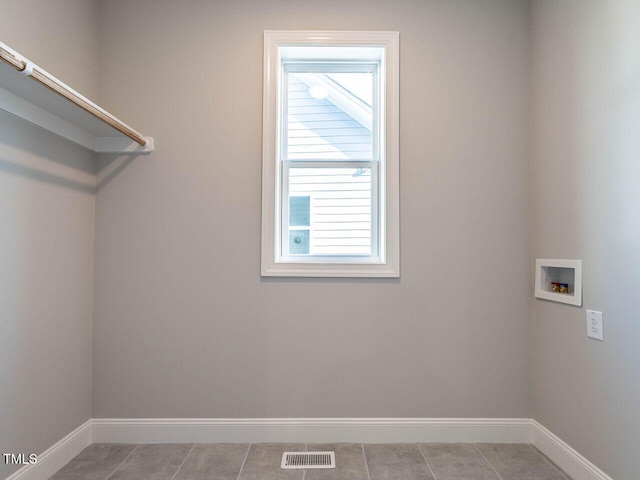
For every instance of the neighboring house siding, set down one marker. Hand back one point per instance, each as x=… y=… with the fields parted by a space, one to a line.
x=340 y=198
x=340 y=209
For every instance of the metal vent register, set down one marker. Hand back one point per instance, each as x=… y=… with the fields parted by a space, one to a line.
x=308 y=460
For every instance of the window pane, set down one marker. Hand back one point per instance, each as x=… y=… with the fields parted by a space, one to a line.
x=330 y=116
x=340 y=207
x=298 y=242
x=299 y=211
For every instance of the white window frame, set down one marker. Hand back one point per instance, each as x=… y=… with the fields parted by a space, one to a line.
x=387 y=262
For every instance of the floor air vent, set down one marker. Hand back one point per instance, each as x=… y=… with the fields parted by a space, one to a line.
x=308 y=460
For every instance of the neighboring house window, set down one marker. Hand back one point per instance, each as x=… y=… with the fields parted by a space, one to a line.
x=330 y=154
x=299 y=224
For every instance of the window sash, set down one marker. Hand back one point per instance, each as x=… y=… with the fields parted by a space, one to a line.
x=377 y=208
x=288 y=67
x=286 y=163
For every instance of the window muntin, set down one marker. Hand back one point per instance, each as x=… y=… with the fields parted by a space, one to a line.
x=343 y=175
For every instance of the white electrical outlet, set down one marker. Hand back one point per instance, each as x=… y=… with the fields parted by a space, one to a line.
x=594 y=325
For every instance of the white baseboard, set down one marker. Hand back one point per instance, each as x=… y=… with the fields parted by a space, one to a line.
x=567 y=458
x=55 y=457
x=275 y=430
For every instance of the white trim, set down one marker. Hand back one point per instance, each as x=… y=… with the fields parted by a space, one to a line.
x=55 y=457
x=566 y=457
x=276 y=430
x=389 y=251
x=282 y=430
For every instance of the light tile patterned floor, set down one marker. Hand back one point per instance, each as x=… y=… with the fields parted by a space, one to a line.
x=354 y=461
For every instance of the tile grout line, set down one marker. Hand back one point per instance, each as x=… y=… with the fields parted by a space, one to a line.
x=488 y=462
x=426 y=461
x=122 y=462
x=185 y=459
x=549 y=462
x=244 y=461
x=366 y=464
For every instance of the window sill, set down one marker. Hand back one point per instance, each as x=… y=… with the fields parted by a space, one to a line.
x=330 y=270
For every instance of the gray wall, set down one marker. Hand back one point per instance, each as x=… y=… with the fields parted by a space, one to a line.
x=185 y=327
x=585 y=157
x=183 y=324
x=47 y=214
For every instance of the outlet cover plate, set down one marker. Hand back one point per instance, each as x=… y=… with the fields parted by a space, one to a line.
x=594 y=325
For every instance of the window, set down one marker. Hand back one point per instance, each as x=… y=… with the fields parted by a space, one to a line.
x=330 y=154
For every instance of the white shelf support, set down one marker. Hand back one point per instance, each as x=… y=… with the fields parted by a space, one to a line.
x=48 y=103
x=122 y=145
x=40 y=117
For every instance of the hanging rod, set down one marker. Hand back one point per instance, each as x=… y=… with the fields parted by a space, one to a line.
x=31 y=70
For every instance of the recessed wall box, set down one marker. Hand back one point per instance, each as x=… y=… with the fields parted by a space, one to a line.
x=552 y=273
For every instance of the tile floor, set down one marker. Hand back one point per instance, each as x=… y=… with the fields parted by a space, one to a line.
x=354 y=461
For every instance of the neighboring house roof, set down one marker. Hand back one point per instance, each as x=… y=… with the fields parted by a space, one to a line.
x=336 y=127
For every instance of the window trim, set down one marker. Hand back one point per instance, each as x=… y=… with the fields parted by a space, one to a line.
x=388 y=173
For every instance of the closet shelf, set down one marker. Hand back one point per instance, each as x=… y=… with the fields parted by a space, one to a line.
x=34 y=95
